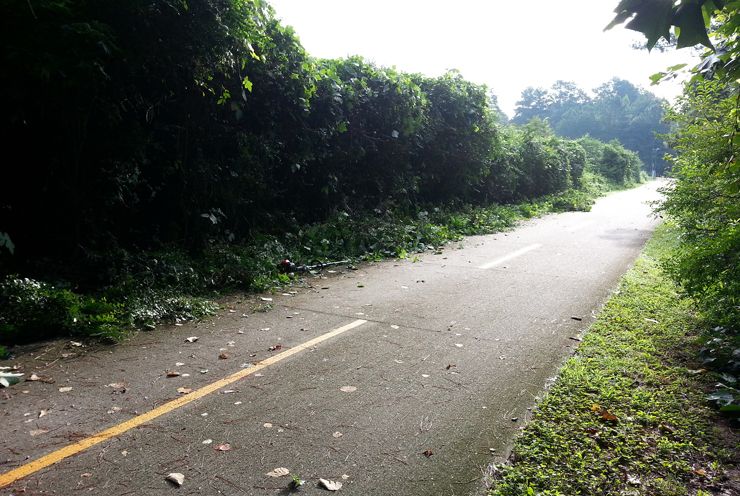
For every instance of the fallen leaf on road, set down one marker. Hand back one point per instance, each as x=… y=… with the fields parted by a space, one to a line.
x=449 y=366
x=173 y=373
x=278 y=472
x=428 y=453
x=37 y=432
x=184 y=390
x=41 y=378
x=223 y=355
x=337 y=435
x=348 y=389
x=65 y=389
x=175 y=478
x=223 y=447
x=191 y=339
x=330 y=485
x=276 y=347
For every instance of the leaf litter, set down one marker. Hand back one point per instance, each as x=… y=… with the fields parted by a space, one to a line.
x=330 y=485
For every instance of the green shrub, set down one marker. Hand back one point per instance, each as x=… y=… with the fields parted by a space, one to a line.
x=33 y=310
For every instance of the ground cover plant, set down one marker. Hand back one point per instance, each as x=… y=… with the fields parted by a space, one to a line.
x=627 y=414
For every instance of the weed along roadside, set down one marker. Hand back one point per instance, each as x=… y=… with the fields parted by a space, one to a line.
x=172 y=286
x=628 y=413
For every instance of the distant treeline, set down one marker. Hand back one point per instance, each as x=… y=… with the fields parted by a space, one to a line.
x=148 y=122
x=618 y=110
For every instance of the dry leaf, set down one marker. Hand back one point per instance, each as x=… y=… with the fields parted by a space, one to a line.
x=65 y=389
x=223 y=355
x=330 y=485
x=41 y=378
x=276 y=347
x=184 y=390
x=278 y=472
x=603 y=413
x=348 y=389
x=173 y=373
x=428 y=453
x=223 y=447
x=191 y=339
x=700 y=472
x=175 y=478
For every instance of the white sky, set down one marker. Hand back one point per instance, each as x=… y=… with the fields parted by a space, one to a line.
x=507 y=45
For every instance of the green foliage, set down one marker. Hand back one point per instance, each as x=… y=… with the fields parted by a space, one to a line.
x=712 y=23
x=187 y=146
x=618 y=111
x=704 y=199
x=629 y=364
x=33 y=310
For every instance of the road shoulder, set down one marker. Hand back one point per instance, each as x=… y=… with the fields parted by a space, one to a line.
x=627 y=414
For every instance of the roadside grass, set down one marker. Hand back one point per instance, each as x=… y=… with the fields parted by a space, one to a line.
x=627 y=414
x=140 y=290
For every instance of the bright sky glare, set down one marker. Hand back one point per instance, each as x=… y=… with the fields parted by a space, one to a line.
x=505 y=45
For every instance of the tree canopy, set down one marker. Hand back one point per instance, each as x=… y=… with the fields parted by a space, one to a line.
x=618 y=111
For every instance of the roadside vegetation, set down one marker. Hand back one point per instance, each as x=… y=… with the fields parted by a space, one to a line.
x=627 y=414
x=631 y=412
x=173 y=151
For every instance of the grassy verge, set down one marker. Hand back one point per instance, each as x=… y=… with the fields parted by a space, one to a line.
x=627 y=414
x=142 y=289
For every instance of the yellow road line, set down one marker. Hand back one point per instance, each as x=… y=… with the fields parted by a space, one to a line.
x=72 y=449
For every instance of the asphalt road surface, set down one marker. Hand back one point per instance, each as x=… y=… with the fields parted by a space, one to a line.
x=400 y=378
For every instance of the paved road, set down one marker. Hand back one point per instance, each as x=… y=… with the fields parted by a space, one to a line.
x=442 y=355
